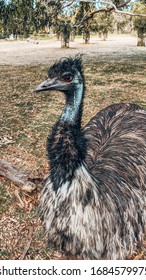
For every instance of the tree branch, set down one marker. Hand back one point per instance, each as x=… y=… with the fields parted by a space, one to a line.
x=112 y=7
x=122 y=12
x=69 y=4
x=27 y=182
x=108 y=6
x=105 y=9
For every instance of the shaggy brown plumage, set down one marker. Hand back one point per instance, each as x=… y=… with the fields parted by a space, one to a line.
x=93 y=203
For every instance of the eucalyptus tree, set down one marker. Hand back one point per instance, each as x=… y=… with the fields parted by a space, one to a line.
x=4 y=14
x=121 y=7
x=123 y=23
x=18 y=17
x=104 y=22
x=140 y=22
x=81 y=11
x=56 y=17
x=2 y=5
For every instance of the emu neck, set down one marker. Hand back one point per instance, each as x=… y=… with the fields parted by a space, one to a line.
x=72 y=112
x=66 y=144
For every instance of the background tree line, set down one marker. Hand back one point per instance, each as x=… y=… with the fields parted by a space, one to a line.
x=67 y=18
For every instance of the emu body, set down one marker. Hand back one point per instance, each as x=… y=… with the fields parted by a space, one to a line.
x=93 y=203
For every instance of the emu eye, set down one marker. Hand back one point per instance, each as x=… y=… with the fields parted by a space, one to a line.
x=67 y=78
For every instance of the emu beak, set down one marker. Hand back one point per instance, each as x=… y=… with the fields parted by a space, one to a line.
x=49 y=84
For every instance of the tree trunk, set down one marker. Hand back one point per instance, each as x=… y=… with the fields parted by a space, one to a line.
x=86 y=37
x=141 y=38
x=65 y=40
x=104 y=35
x=72 y=36
x=58 y=36
x=100 y=34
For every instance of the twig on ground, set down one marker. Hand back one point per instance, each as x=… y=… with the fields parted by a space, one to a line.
x=21 y=203
x=28 y=244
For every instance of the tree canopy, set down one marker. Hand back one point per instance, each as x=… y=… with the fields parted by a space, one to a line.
x=24 y=17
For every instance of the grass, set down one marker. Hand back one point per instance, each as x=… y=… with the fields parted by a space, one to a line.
x=26 y=120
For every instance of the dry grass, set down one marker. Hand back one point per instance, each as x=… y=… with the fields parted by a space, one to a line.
x=26 y=120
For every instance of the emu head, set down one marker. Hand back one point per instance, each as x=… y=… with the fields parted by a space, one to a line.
x=63 y=75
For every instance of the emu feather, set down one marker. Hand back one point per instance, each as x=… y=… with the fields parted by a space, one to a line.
x=93 y=203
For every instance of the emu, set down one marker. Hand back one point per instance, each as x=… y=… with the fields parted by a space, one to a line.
x=93 y=203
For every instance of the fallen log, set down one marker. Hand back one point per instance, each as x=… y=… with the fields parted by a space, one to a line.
x=25 y=181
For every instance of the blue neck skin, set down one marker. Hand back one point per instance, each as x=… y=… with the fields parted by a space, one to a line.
x=73 y=101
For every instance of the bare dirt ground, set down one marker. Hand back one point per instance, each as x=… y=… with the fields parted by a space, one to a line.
x=23 y=52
